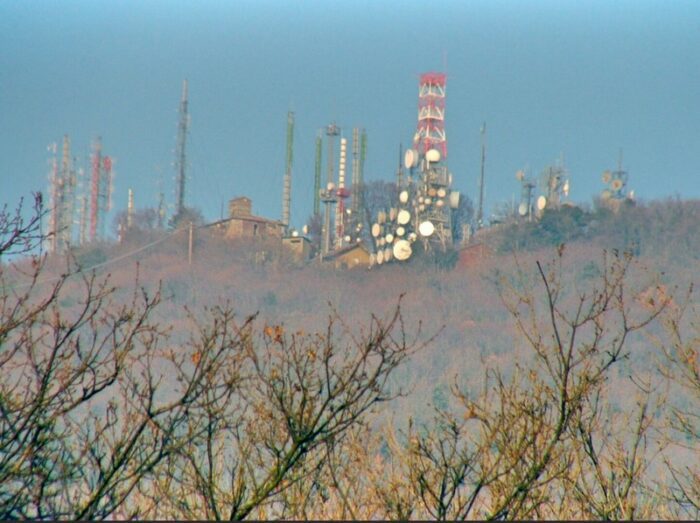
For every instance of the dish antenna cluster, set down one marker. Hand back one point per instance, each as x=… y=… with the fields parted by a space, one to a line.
x=527 y=185
x=425 y=196
x=554 y=182
x=616 y=183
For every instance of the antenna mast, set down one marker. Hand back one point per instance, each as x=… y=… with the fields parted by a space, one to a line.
x=480 y=211
x=286 y=197
x=181 y=155
x=317 y=174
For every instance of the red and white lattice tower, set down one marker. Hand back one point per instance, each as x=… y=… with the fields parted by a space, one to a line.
x=430 y=133
x=95 y=187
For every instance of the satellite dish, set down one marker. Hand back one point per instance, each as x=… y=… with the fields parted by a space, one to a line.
x=433 y=155
x=454 y=199
x=421 y=207
x=372 y=259
x=295 y=234
x=392 y=214
x=402 y=250
x=440 y=203
x=330 y=186
x=389 y=238
x=432 y=192
x=565 y=189
x=403 y=196
x=381 y=217
x=403 y=217
x=426 y=228
x=606 y=194
x=522 y=209
x=541 y=202
x=441 y=192
x=420 y=199
x=412 y=237
x=616 y=184
x=380 y=256
x=347 y=239
x=376 y=230
x=387 y=254
x=400 y=231
x=410 y=158
x=305 y=229
x=520 y=175
x=427 y=201
x=607 y=176
x=449 y=179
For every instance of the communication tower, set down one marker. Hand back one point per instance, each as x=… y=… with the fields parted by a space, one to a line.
x=287 y=192
x=616 y=182
x=329 y=197
x=317 y=174
x=341 y=194
x=430 y=133
x=480 y=209
x=527 y=185
x=180 y=154
x=426 y=199
x=100 y=190
x=554 y=181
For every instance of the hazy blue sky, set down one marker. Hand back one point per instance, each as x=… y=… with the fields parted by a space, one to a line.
x=580 y=79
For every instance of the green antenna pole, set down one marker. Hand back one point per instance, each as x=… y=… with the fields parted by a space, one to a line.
x=317 y=175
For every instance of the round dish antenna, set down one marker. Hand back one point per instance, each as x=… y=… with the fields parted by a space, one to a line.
x=426 y=228
x=541 y=202
x=520 y=175
x=433 y=156
x=376 y=230
x=522 y=209
x=403 y=217
x=403 y=196
x=402 y=250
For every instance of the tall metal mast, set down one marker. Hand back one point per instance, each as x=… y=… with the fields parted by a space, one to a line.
x=181 y=155
x=480 y=210
x=331 y=132
x=317 y=174
x=286 y=196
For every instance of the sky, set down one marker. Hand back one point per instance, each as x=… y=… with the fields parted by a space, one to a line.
x=551 y=79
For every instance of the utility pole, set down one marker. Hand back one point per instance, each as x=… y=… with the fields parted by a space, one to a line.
x=480 y=210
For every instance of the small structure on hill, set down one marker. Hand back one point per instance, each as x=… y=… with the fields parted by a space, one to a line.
x=300 y=246
x=241 y=223
x=350 y=256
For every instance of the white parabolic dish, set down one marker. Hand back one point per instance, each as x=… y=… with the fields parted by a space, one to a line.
x=402 y=250
x=376 y=229
x=426 y=228
x=403 y=217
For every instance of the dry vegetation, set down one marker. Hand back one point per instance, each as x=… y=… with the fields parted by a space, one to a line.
x=553 y=383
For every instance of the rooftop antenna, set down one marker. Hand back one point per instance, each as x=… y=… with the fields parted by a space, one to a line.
x=181 y=155
x=286 y=196
x=480 y=210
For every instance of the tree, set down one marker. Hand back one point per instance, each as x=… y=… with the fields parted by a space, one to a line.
x=534 y=443
x=104 y=412
x=296 y=397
